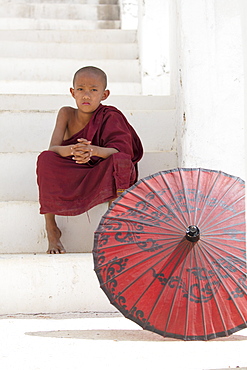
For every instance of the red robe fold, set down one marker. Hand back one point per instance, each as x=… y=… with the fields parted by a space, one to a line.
x=67 y=188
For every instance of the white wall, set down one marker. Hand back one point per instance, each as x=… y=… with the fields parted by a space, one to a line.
x=210 y=84
x=198 y=44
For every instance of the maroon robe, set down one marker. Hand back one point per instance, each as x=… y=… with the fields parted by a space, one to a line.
x=67 y=188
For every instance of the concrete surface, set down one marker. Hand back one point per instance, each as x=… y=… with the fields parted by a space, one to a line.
x=50 y=283
x=107 y=341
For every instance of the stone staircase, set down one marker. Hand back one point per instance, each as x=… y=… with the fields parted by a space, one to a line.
x=42 y=45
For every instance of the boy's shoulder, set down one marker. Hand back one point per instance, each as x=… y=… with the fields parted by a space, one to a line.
x=66 y=112
x=67 y=109
x=110 y=109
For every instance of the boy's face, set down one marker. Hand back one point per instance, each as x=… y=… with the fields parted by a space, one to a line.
x=89 y=91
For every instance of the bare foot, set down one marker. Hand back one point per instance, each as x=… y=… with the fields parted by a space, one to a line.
x=110 y=202
x=54 y=244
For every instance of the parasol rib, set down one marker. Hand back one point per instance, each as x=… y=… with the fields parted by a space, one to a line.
x=175 y=293
x=219 y=214
x=196 y=197
x=136 y=242
x=150 y=216
x=175 y=201
x=203 y=223
x=225 y=287
x=141 y=262
x=188 y=301
x=165 y=286
x=185 y=197
x=200 y=292
x=241 y=262
x=213 y=181
x=143 y=222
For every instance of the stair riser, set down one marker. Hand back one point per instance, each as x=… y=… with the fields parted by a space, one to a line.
x=60 y=11
x=18 y=173
x=63 y=70
x=90 y=2
x=23 y=231
x=56 y=24
x=62 y=88
x=48 y=102
x=46 y=284
x=32 y=131
x=67 y=51
x=70 y=36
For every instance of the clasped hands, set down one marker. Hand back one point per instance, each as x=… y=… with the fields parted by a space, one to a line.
x=82 y=151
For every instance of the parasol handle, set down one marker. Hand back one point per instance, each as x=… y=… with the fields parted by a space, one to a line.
x=192 y=233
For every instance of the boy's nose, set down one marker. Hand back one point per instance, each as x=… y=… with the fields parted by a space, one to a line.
x=86 y=94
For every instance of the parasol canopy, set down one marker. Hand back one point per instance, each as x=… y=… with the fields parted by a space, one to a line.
x=170 y=254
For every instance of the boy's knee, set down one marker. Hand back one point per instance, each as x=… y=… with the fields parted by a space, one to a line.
x=46 y=155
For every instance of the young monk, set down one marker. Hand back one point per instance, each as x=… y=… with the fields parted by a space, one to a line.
x=92 y=156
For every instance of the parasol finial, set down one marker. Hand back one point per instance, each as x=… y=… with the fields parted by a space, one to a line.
x=192 y=233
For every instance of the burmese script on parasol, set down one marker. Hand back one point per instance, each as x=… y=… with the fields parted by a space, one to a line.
x=170 y=254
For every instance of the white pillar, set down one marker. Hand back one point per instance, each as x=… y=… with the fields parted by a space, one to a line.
x=129 y=14
x=243 y=5
x=212 y=85
x=153 y=35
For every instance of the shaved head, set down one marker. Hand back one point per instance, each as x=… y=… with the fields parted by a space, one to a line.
x=92 y=70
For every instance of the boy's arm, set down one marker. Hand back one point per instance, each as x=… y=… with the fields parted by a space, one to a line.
x=59 y=132
x=102 y=152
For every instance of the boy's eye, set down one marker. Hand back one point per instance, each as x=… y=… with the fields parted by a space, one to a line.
x=94 y=90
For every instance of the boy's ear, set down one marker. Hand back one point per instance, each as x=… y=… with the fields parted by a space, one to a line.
x=72 y=92
x=105 y=95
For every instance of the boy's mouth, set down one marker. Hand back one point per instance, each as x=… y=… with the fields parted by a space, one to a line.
x=85 y=103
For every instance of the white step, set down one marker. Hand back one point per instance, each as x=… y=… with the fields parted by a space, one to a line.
x=67 y=11
x=19 y=69
x=50 y=284
x=23 y=230
x=61 y=1
x=18 y=172
x=56 y=24
x=96 y=51
x=113 y=36
x=156 y=129
x=34 y=102
x=57 y=87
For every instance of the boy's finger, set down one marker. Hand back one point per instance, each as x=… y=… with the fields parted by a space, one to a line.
x=84 y=141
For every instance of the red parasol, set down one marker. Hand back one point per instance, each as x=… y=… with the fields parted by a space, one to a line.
x=170 y=254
